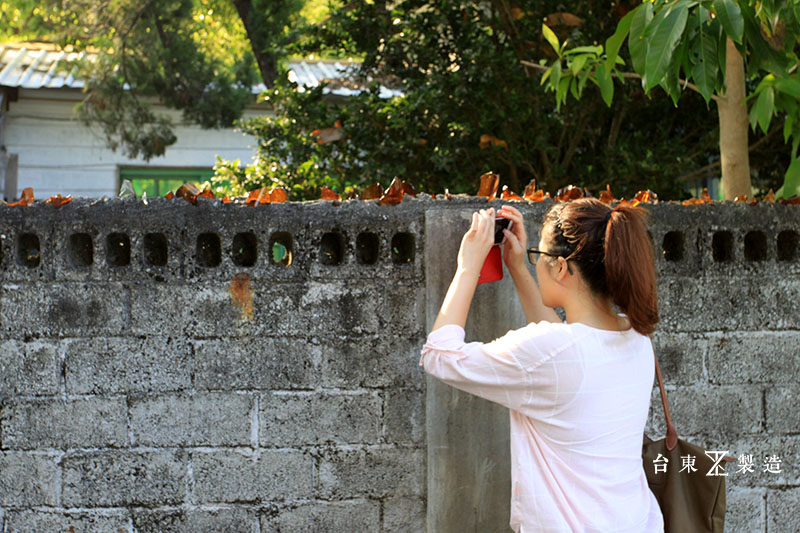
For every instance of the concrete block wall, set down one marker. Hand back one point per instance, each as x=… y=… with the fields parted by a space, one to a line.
x=160 y=371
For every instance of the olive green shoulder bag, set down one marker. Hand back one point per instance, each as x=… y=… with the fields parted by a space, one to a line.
x=690 y=500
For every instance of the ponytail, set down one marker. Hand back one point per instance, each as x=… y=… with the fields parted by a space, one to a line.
x=614 y=253
x=630 y=266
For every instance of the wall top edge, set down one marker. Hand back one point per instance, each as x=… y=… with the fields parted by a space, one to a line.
x=763 y=214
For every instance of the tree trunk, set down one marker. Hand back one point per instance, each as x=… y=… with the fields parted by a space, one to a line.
x=267 y=64
x=733 y=128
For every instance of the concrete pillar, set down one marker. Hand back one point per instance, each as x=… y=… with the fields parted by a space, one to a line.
x=469 y=470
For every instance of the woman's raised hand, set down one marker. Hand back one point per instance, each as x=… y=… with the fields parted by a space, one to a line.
x=477 y=241
x=515 y=247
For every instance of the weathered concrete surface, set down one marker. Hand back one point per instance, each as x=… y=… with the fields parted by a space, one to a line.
x=172 y=393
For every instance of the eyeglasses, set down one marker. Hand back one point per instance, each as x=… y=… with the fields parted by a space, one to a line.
x=533 y=256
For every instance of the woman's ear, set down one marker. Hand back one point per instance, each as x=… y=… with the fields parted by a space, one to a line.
x=563 y=269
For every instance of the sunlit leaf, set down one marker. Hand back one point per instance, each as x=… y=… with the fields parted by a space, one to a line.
x=25 y=198
x=258 y=196
x=661 y=42
x=372 y=192
x=606 y=196
x=278 y=195
x=568 y=193
x=551 y=38
x=489 y=183
x=329 y=194
x=508 y=196
x=57 y=200
x=704 y=198
x=394 y=194
x=532 y=195
x=188 y=191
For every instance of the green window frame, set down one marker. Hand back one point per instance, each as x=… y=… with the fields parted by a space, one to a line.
x=158 y=181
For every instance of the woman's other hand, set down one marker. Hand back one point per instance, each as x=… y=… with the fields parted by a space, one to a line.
x=516 y=244
x=477 y=241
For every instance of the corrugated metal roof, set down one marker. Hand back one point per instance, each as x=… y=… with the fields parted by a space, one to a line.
x=37 y=66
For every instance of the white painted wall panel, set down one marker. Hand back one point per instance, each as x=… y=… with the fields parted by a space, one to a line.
x=57 y=154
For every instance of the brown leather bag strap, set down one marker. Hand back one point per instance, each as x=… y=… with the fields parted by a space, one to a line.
x=672 y=433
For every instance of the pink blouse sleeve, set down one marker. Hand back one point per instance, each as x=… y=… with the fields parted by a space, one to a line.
x=499 y=371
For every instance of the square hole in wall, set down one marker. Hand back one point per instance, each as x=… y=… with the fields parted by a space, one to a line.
x=155 y=249
x=672 y=246
x=331 y=248
x=28 y=250
x=118 y=249
x=367 y=248
x=244 y=250
x=722 y=246
x=755 y=246
x=80 y=250
x=208 y=250
x=787 y=245
x=281 y=248
x=403 y=248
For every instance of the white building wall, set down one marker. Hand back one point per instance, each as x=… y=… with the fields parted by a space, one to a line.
x=58 y=155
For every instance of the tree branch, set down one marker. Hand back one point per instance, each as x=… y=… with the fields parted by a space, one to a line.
x=702 y=170
x=632 y=76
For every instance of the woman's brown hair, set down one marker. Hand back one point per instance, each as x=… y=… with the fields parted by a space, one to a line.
x=615 y=258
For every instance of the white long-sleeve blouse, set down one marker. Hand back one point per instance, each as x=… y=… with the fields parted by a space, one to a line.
x=578 y=399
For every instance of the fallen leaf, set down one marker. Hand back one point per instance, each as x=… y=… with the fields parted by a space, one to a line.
x=188 y=191
x=704 y=198
x=532 y=195
x=769 y=197
x=489 y=183
x=606 y=196
x=329 y=194
x=258 y=196
x=568 y=193
x=57 y=200
x=278 y=195
x=26 y=198
x=794 y=200
x=490 y=140
x=394 y=194
x=740 y=198
x=508 y=196
x=372 y=192
x=226 y=200
x=649 y=196
x=207 y=194
x=169 y=195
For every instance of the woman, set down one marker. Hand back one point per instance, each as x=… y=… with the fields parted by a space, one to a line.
x=579 y=390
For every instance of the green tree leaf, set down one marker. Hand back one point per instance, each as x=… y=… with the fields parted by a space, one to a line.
x=605 y=83
x=614 y=43
x=637 y=45
x=551 y=38
x=662 y=42
x=764 y=107
x=705 y=70
x=730 y=16
x=791 y=181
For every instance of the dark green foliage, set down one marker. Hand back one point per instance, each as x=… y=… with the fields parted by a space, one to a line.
x=458 y=65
